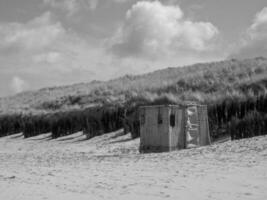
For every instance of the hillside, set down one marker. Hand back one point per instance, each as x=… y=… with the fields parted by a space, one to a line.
x=110 y=167
x=201 y=82
x=234 y=90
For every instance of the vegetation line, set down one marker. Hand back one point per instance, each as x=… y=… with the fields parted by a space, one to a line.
x=234 y=90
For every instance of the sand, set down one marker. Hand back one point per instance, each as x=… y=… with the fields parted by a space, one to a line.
x=110 y=167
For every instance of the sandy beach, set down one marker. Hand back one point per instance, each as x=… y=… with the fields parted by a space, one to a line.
x=110 y=167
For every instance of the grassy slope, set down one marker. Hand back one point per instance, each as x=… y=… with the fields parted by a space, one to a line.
x=207 y=82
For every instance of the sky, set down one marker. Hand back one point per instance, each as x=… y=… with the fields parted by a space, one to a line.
x=46 y=43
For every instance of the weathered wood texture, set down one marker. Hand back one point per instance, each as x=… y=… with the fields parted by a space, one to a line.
x=169 y=127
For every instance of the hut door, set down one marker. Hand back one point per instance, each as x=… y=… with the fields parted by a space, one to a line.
x=192 y=127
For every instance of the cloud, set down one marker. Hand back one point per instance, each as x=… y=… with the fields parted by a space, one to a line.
x=18 y=84
x=151 y=29
x=259 y=25
x=93 y=4
x=41 y=40
x=254 y=41
x=34 y=35
x=121 y=1
x=72 y=7
x=47 y=57
x=45 y=53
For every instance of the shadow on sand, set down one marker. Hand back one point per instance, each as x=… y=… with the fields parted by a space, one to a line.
x=120 y=141
x=15 y=136
x=38 y=138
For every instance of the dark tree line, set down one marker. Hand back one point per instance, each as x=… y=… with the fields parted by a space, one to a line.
x=131 y=122
x=11 y=124
x=238 y=118
x=253 y=124
x=92 y=121
x=36 y=124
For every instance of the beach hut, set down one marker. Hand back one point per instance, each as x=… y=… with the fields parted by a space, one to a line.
x=171 y=127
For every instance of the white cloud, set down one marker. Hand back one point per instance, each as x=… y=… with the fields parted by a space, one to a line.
x=151 y=29
x=45 y=53
x=34 y=35
x=254 y=41
x=18 y=84
x=92 y=4
x=258 y=29
x=70 y=6
x=260 y=18
x=121 y=1
x=48 y=57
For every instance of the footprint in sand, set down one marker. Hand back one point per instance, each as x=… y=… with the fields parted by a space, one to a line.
x=248 y=194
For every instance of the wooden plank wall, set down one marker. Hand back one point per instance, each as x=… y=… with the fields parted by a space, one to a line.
x=151 y=133
x=203 y=125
